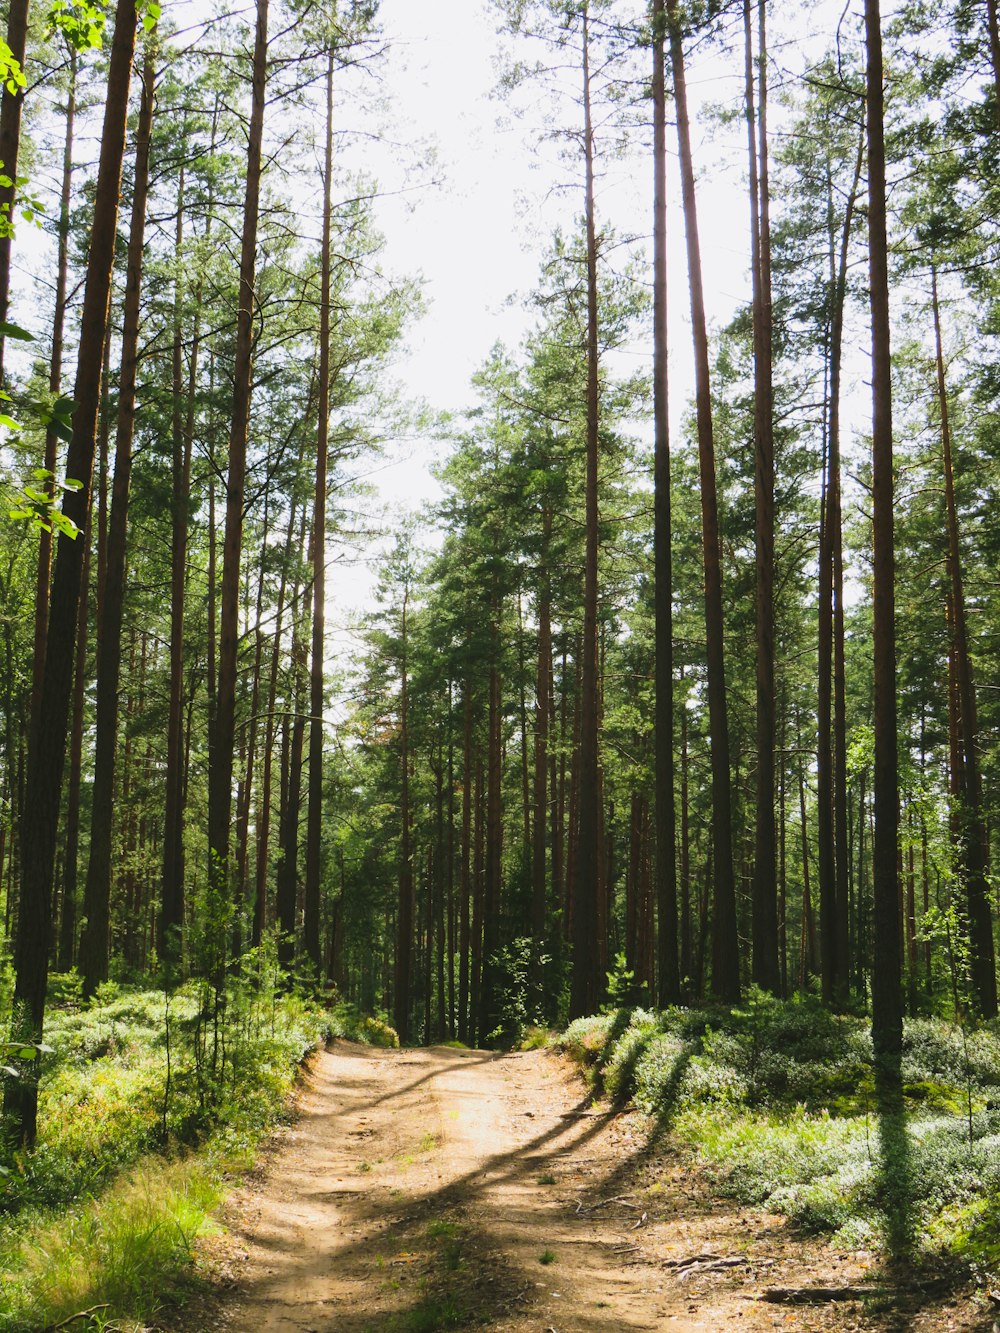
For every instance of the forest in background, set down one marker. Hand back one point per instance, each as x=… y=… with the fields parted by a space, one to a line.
x=637 y=720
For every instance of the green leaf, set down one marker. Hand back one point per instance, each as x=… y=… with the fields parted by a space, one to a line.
x=60 y=428
x=8 y=330
x=9 y=422
x=63 y=407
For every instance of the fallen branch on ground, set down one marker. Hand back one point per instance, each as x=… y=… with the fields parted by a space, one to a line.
x=705 y=1262
x=623 y=1199
x=80 y=1314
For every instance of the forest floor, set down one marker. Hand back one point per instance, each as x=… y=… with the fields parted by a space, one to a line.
x=419 y=1190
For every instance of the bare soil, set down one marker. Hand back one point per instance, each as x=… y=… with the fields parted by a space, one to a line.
x=450 y=1189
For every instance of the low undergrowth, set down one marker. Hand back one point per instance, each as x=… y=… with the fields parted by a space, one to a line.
x=148 y=1105
x=778 y=1099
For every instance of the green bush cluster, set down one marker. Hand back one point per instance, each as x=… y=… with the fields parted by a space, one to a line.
x=188 y=1080
x=777 y=1097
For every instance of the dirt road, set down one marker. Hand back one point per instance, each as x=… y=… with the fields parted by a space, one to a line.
x=450 y=1189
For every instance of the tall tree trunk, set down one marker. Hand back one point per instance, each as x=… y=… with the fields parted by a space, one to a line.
x=807 y=946
x=55 y=374
x=10 y=140
x=171 y=917
x=451 y=863
x=47 y=745
x=404 y=915
x=95 y=942
x=842 y=980
x=668 y=988
x=244 y=899
x=765 y=970
x=287 y=870
x=438 y=879
x=488 y=1016
x=984 y=977
x=67 y=921
x=726 y=957
x=476 y=1025
x=831 y=752
x=264 y=805
x=539 y=886
x=465 y=877
x=220 y=772
x=585 y=990
x=315 y=817
x=887 y=999
x=687 y=955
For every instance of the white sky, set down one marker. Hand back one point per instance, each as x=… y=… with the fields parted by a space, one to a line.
x=479 y=236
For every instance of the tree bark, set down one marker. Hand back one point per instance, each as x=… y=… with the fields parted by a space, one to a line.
x=404 y=914
x=220 y=772
x=67 y=920
x=973 y=833
x=887 y=999
x=315 y=813
x=765 y=970
x=55 y=380
x=47 y=746
x=10 y=140
x=465 y=877
x=264 y=806
x=287 y=870
x=668 y=989
x=585 y=990
x=539 y=883
x=726 y=958
x=94 y=942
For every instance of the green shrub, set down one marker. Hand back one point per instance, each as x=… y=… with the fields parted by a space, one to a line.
x=133 y=1074
x=778 y=1099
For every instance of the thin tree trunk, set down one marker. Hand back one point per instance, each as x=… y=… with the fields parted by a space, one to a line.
x=287 y=869
x=765 y=970
x=668 y=989
x=973 y=832
x=465 y=884
x=245 y=802
x=95 y=941
x=67 y=922
x=887 y=1001
x=220 y=775
x=404 y=916
x=831 y=759
x=479 y=860
x=264 y=807
x=488 y=1016
x=539 y=894
x=585 y=989
x=807 y=947
x=10 y=139
x=315 y=814
x=55 y=370
x=726 y=960
x=171 y=917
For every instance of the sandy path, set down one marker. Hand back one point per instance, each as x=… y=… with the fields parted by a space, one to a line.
x=434 y=1189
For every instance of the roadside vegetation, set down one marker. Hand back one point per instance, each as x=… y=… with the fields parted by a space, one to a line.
x=778 y=1101
x=151 y=1103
